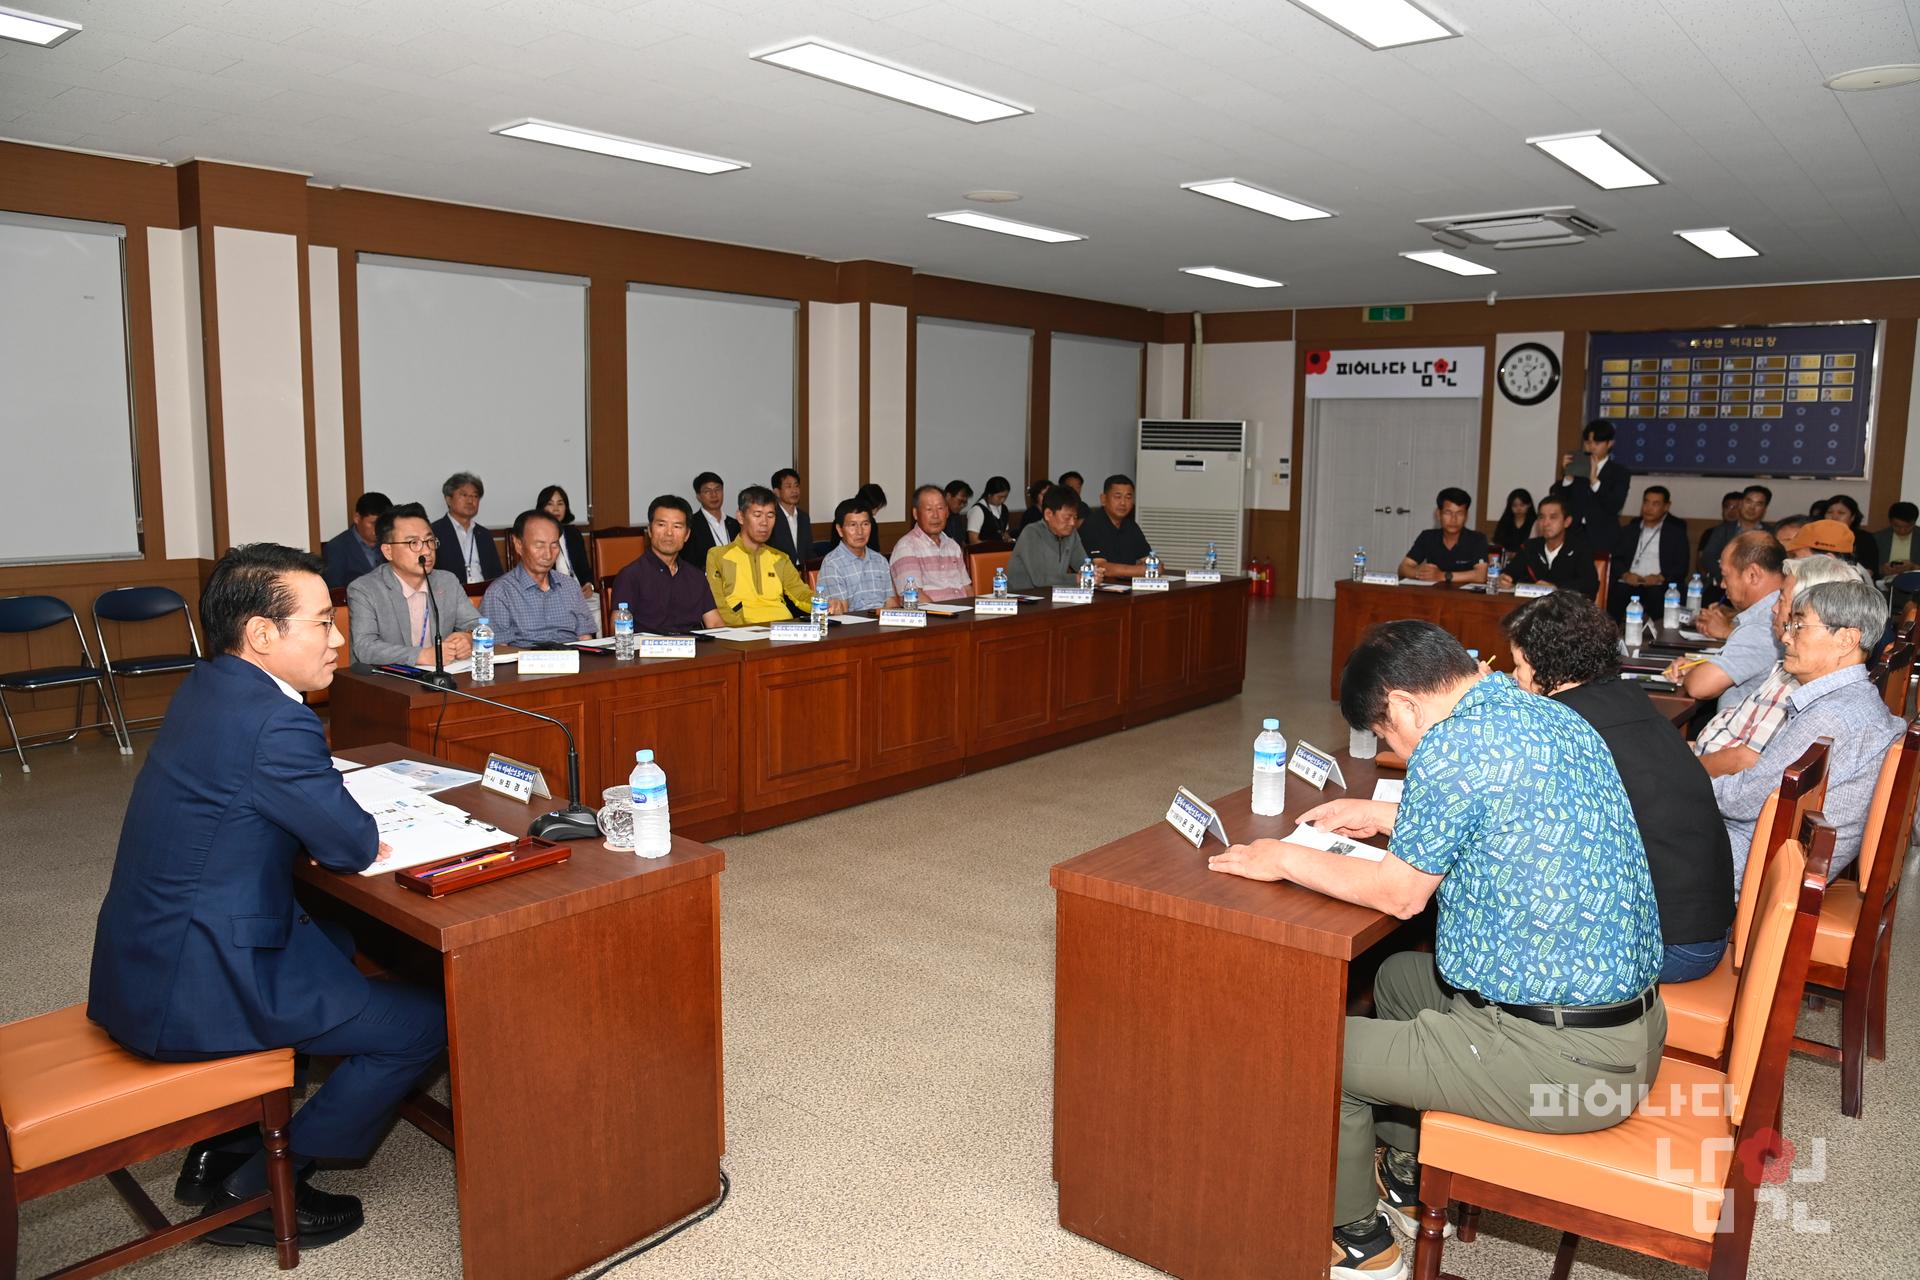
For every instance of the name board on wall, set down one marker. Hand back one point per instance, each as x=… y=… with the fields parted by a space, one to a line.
x=1395 y=373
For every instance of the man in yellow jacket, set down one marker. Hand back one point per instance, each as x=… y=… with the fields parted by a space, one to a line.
x=752 y=582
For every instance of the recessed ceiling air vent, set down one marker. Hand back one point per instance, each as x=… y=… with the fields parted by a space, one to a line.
x=1516 y=228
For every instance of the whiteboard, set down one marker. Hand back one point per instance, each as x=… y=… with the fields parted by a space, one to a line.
x=1094 y=408
x=68 y=488
x=710 y=387
x=467 y=368
x=970 y=404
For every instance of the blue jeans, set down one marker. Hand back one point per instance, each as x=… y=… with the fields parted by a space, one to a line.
x=1686 y=961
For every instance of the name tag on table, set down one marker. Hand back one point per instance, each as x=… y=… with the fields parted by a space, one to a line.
x=1194 y=818
x=1381 y=579
x=514 y=779
x=1153 y=584
x=1313 y=765
x=1531 y=590
x=989 y=607
x=793 y=631
x=666 y=646
x=1073 y=595
x=1203 y=575
x=549 y=662
x=902 y=618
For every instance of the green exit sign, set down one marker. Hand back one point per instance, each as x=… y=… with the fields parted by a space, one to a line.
x=1379 y=315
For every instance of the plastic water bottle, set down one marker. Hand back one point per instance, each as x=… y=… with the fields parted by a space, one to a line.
x=910 y=594
x=623 y=641
x=1213 y=557
x=652 y=834
x=1000 y=583
x=1086 y=574
x=482 y=652
x=1696 y=592
x=1269 y=770
x=819 y=614
x=1493 y=574
x=1670 y=606
x=1359 y=563
x=1636 y=626
x=1153 y=564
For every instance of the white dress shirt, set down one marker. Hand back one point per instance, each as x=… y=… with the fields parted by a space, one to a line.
x=1646 y=556
x=465 y=535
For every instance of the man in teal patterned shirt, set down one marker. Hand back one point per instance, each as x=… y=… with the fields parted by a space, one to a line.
x=1538 y=1008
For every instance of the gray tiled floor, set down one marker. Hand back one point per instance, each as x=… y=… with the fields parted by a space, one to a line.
x=888 y=1007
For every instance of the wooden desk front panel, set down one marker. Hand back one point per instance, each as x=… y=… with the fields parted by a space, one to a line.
x=916 y=696
x=1220 y=636
x=1471 y=617
x=800 y=720
x=1012 y=661
x=468 y=732
x=1088 y=679
x=690 y=719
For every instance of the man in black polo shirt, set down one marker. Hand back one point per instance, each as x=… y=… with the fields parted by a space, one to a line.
x=1111 y=535
x=1449 y=552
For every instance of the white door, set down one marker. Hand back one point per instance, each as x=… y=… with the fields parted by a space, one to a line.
x=1375 y=466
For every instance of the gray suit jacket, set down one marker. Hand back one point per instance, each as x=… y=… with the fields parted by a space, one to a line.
x=378 y=629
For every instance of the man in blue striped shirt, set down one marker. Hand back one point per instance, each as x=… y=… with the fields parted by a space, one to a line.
x=853 y=572
x=536 y=603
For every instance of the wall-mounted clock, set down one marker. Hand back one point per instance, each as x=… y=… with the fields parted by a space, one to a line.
x=1528 y=373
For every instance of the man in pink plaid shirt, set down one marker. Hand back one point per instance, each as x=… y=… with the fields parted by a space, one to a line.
x=927 y=555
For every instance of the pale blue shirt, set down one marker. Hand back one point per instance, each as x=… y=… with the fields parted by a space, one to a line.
x=1750 y=651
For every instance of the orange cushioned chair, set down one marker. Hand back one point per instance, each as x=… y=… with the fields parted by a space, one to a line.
x=615 y=549
x=75 y=1105
x=1892 y=675
x=1699 y=1012
x=1854 y=943
x=1676 y=1179
x=983 y=564
x=1603 y=565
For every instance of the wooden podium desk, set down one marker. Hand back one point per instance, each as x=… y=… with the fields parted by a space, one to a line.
x=1471 y=617
x=756 y=733
x=1199 y=1020
x=583 y=1021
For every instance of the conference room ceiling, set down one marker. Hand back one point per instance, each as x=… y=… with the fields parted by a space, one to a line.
x=1130 y=98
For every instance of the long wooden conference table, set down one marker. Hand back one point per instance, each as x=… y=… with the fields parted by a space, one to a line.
x=583 y=1028
x=757 y=733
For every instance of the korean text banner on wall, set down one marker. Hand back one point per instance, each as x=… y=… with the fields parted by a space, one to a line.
x=1394 y=373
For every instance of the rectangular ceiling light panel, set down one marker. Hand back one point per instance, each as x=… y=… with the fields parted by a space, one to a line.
x=1719 y=242
x=1235 y=277
x=31 y=28
x=858 y=71
x=1005 y=226
x=607 y=144
x=1258 y=199
x=1380 y=24
x=1450 y=262
x=1599 y=161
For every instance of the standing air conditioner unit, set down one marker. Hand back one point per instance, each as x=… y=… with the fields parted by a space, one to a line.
x=1191 y=489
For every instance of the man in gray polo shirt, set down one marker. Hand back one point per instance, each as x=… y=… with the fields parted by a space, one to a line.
x=1753 y=569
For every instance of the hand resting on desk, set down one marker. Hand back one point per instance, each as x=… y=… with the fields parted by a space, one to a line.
x=1353 y=817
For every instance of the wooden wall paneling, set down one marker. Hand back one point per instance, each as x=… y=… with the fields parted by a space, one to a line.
x=866 y=397
x=72 y=184
x=145 y=400
x=1040 y=405
x=953 y=299
x=210 y=359
x=1573 y=399
x=350 y=372
x=1891 y=430
x=802 y=415
x=610 y=503
x=913 y=399
x=1250 y=326
x=690 y=719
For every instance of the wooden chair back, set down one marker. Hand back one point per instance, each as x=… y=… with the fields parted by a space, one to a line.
x=983 y=563
x=1883 y=846
x=1802 y=790
x=614 y=549
x=1603 y=566
x=1893 y=674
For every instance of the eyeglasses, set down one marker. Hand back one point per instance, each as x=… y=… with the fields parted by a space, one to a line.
x=1794 y=628
x=326 y=623
x=417 y=544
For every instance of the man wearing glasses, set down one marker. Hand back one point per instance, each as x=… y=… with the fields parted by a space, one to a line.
x=390 y=619
x=202 y=951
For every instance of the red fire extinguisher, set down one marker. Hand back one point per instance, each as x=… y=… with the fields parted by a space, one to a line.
x=1266 y=579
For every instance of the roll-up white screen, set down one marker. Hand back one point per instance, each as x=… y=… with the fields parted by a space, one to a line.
x=68 y=486
x=1094 y=407
x=970 y=404
x=710 y=387
x=471 y=369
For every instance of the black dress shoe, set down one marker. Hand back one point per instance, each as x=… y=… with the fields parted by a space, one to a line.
x=205 y=1168
x=319 y=1216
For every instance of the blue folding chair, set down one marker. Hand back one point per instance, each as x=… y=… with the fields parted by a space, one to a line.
x=127 y=605
x=22 y=614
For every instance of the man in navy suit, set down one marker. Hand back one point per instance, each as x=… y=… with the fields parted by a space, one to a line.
x=792 y=526
x=201 y=951
x=1649 y=555
x=709 y=527
x=355 y=550
x=466 y=546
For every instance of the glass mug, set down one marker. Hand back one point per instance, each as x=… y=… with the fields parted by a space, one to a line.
x=616 y=818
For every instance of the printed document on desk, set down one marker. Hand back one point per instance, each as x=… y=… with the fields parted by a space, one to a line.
x=415 y=827
x=1314 y=838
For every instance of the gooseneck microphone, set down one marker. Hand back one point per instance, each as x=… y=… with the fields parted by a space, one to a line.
x=439 y=679
x=576 y=821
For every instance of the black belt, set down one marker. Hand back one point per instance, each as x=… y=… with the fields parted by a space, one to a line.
x=1560 y=1015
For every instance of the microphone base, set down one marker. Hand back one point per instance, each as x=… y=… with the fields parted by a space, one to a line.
x=438 y=680
x=575 y=822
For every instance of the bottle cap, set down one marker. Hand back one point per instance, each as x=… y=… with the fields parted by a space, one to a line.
x=643 y=756
x=622 y=604
x=1270 y=723
x=481 y=621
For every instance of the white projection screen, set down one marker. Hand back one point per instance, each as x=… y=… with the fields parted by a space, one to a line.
x=1094 y=408
x=69 y=487
x=710 y=387
x=467 y=368
x=970 y=404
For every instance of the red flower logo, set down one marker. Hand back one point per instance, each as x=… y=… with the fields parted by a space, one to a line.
x=1767 y=1157
x=1441 y=365
x=1317 y=361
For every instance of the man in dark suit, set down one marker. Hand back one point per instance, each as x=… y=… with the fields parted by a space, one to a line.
x=1595 y=499
x=792 y=526
x=1554 y=554
x=466 y=546
x=356 y=550
x=1650 y=554
x=710 y=526
x=201 y=950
